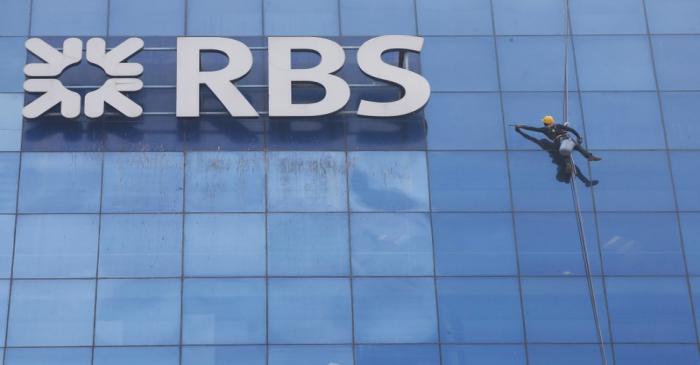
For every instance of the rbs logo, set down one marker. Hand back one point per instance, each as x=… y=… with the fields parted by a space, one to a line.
x=190 y=77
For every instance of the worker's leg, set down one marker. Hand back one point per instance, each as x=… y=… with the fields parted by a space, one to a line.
x=587 y=154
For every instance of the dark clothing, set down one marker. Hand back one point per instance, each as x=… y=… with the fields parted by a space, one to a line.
x=557 y=133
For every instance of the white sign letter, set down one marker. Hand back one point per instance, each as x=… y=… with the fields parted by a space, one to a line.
x=189 y=76
x=416 y=88
x=282 y=76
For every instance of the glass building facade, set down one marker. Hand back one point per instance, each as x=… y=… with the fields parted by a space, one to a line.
x=442 y=237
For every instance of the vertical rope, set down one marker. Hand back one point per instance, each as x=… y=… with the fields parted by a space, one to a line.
x=574 y=194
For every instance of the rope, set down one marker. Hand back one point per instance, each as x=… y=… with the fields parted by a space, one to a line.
x=574 y=195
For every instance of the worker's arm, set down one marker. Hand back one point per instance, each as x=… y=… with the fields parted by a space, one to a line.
x=569 y=129
x=528 y=128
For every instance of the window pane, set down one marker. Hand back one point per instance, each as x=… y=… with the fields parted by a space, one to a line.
x=14 y=20
x=544 y=74
x=614 y=63
x=224 y=17
x=140 y=245
x=11 y=75
x=680 y=111
x=155 y=17
x=309 y=311
x=691 y=239
x=469 y=181
x=7 y=238
x=450 y=129
x=482 y=354
x=136 y=356
x=687 y=178
x=637 y=114
x=75 y=183
x=224 y=311
x=388 y=181
x=9 y=169
x=301 y=17
x=10 y=120
x=460 y=63
x=608 y=17
x=568 y=354
x=69 y=17
x=641 y=244
x=394 y=310
x=474 y=244
x=397 y=354
x=386 y=244
x=4 y=300
x=306 y=181
x=223 y=355
x=310 y=355
x=51 y=313
x=480 y=310
x=138 y=312
x=650 y=310
x=308 y=244
x=454 y=17
x=224 y=244
x=368 y=17
x=51 y=246
x=53 y=356
x=656 y=354
x=531 y=17
x=676 y=59
x=676 y=16
x=142 y=182
x=225 y=182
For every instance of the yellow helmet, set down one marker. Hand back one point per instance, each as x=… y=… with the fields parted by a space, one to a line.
x=548 y=120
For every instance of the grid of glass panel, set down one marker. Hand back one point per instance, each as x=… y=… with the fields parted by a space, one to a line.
x=354 y=241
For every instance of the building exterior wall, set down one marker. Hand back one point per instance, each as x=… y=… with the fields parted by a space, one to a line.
x=438 y=238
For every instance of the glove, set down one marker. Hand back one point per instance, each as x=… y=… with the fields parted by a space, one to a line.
x=517 y=127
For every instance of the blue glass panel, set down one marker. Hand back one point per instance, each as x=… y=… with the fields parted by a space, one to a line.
x=50 y=246
x=545 y=74
x=224 y=17
x=4 y=301
x=322 y=133
x=223 y=311
x=397 y=354
x=637 y=114
x=223 y=133
x=558 y=310
x=650 y=310
x=309 y=311
x=155 y=17
x=680 y=113
x=225 y=182
x=690 y=223
x=142 y=182
x=641 y=244
x=454 y=17
x=75 y=183
x=140 y=245
x=55 y=133
x=469 y=181
x=656 y=354
x=480 y=354
x=388 y=181
x=69 y=17
x=9 y=170
x=676 y=59
x=302 y=17
x=450 y=128
x=7 y=238
x=677 y=16
x=53 y=356
x=549 y=244
x=51 y=313
x=368 y=17
x=460 y=64
x=14 y=19
x=532 y=17
x=147 y=133
x=608 y=17
x=310 y=355
x=385 y=244
x=633 y=181
x=687 y=178
x=138 y=312
x=307 y=181
x=474 y=244
x=405 y=133
x=136 y=356
x=395 y=310
x=10 y=121
x=222 y=355
x=480 y=310
x=14 y=57
x=614 y=63
x=568 y=354
x=313 y=244
x=224 y=244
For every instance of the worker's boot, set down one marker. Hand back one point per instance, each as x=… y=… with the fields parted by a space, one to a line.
x=594 y=158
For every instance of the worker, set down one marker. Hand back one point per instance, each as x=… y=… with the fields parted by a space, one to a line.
x=559 y=135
